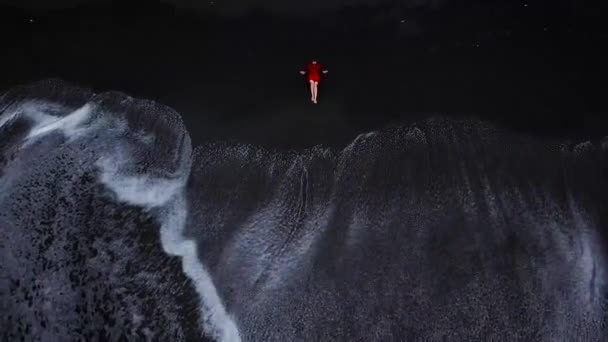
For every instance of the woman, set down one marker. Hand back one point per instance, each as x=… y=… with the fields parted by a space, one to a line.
x=314 y=69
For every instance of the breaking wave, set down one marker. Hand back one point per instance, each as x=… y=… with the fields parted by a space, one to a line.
x=112 y=226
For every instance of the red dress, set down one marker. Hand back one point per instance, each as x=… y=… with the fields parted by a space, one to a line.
x=314 y=72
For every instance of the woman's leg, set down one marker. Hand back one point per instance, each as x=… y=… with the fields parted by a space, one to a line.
x=314 y=91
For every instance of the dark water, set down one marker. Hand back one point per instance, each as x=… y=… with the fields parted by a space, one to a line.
x=112 y=225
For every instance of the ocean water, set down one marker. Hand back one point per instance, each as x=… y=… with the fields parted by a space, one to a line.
x=113 y=226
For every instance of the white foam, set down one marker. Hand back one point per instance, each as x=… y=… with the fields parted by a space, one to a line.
x=216 y=321
x=362 y=136
x=70 y=125
x=141 y=191
x=7 y=117
x=168 y=197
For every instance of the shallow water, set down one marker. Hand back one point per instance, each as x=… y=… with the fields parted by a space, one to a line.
x=112 y=224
